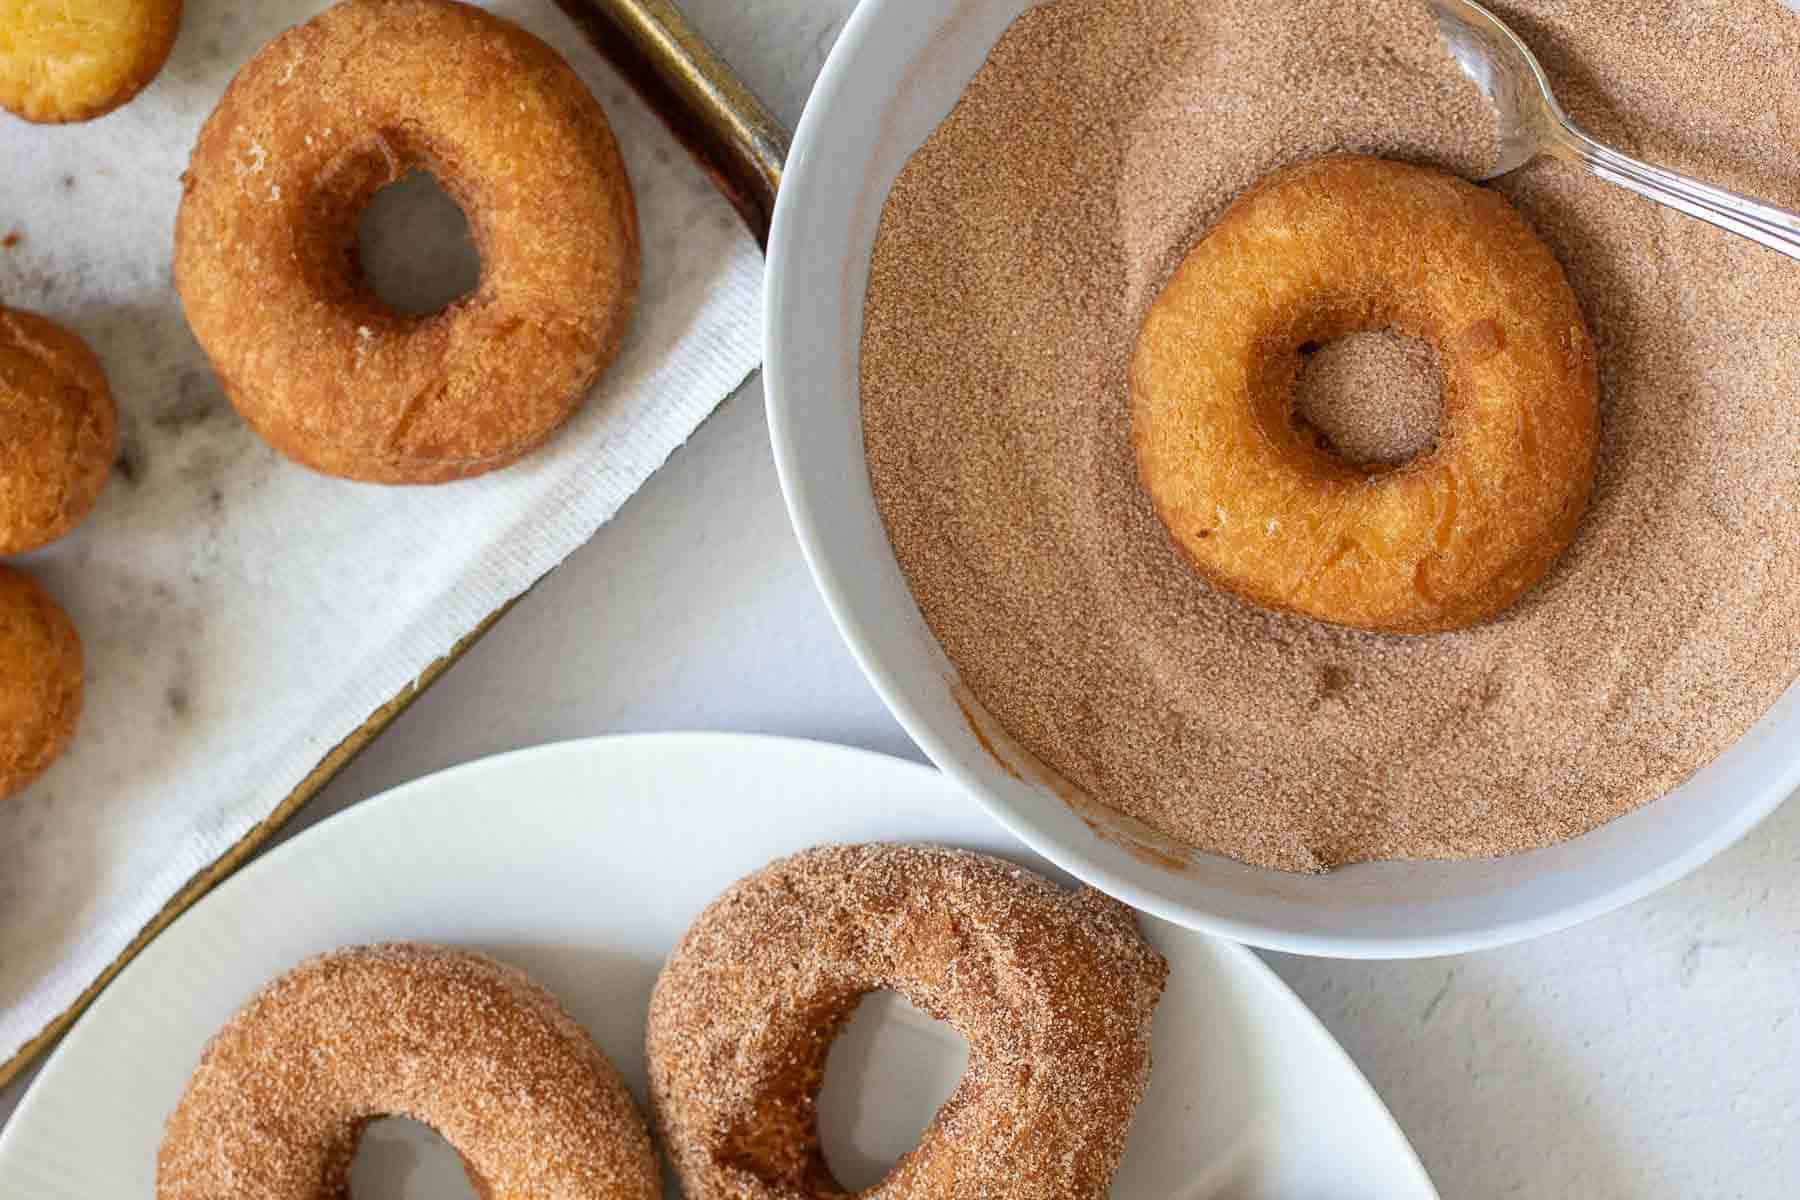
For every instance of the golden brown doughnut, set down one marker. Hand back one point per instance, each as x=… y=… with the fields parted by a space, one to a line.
x=71 y=60
x=1053 y=990
x=1329 y=248
x=58 y=431
x=40 y=681
x=265 y=245
x=454 y=1040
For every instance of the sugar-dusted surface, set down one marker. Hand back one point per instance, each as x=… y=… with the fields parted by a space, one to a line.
x=1007 y=286
x=455 y=1040
x=1053 y=990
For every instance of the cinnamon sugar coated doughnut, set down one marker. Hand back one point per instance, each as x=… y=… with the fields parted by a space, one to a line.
x=40 y=681
x=1053 y=990
x=1319 y=251
x=265 y=244
x=457 y=1041
x=58 y=431
x=70 y=60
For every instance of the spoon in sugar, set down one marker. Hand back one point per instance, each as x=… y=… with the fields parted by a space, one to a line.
x=1532 y=123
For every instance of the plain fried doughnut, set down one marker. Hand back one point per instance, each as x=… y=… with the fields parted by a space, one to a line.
x=265 y=245
x=1329 y=248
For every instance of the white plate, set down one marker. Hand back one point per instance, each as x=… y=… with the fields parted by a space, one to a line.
x=894 y=74
x=582 y=863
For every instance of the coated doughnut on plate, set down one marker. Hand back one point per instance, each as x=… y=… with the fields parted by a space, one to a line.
x=454 y=1040
x=71 y=60
x=40 y=681
x=58 y=431
x=313 y=126
x=1053 y=989
x=1329 y=248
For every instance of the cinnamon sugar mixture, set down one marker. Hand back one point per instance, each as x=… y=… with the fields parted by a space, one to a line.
x=1374 y=399
x=1017 y=255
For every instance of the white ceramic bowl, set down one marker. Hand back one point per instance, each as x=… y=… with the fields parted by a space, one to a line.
x=895 y=73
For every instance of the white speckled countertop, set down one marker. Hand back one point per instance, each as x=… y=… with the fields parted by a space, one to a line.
x=1652 y=1053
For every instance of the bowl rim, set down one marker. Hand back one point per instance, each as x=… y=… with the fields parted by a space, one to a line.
x=789 y=243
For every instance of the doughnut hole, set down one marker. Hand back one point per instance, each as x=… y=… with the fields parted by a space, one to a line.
x=41 y=680
x=58 y=431
x=400 y=1159
x=887 y=1074
x=1374 y=399
x=69 y=60
x=415 y=248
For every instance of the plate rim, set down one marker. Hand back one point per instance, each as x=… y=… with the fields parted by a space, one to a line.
x=699 y=744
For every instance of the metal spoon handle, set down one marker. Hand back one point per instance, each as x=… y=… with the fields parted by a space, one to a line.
x=1776 y=228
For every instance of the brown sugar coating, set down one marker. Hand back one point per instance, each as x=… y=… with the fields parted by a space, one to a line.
x=451 y=1039
x=312 y=127
x=1319 y=251
x=72 y=60
x=58 y=431
x=40 y=681
x=1053 y=990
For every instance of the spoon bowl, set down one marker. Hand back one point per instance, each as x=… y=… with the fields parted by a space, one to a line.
x=1530 y=123
x=1504 y=70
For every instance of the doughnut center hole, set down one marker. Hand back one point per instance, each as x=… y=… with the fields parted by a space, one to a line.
x=398 y=1159
x=415 y=247
x=1374 y=399
x=886 y=1076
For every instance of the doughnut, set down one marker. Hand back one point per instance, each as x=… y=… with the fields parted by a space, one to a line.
x=40 y=681
x=72 y=60
x=456 y=1041
x=1316 y=252
x=58 y=431
x=313 y=126
x=1052 y=989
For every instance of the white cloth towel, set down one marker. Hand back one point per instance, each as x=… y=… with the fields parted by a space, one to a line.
x=241 y=615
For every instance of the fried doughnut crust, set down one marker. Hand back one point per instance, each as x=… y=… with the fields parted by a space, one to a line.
x=40 y=681
x=1324 y=249
x=73 y=60
x=58 y=431
x=314 y=125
